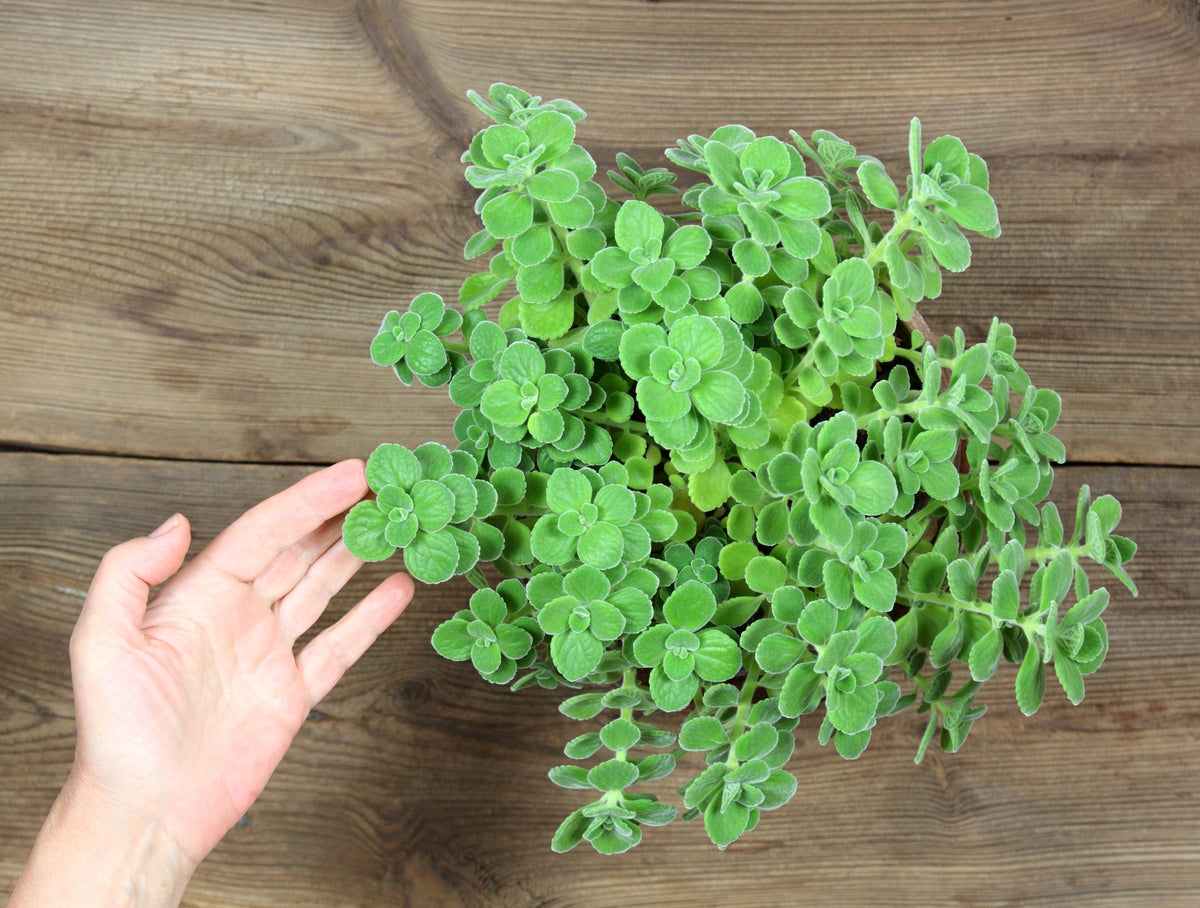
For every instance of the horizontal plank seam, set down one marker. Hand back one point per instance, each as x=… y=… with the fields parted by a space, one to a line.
x=85 y=452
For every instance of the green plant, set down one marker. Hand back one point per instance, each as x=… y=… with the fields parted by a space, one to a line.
x=722 y=470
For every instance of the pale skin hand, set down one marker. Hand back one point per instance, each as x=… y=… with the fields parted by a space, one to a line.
x=186 y=706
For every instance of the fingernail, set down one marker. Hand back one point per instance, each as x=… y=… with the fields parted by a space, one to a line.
x=169 y=524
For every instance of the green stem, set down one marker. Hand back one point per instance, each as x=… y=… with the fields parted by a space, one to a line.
x=1044 y=553
x=520 y=509
x=947 y=601
x=628 y=682
x=630 y=425
x=903 y=221
x=745 y=701
x=576 y=266
x=917 y=525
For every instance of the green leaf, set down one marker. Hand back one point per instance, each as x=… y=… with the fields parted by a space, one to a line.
x=818 y=622
x=698 y=337
x=541 y=283
x=1108 y=511
x=688 y=246
x=947 y=243
x=652 y=768
x=778 y=788
x=363 y=532
x=948 y=642
x=723 y=165
x=874 y=488
x=852 y=279
x=765 y=574
x=851 y=746
x=705 y=786
x=575 y=653
x=801 y=238
x=649 y=811
x=601 y=546
x=1085 y=611
x=767 y=159
x=570 y=832
x=851 y=712
x=507 y=215
x=751 y=257
x=915 y=161
x=801 y=198
x=718 y=658
x=724 y=826
x=582 y=706
x=985 y=655
x=962 y=580
x=553 y=185
x=877 y=185
x=927 y=573
x=709 y=489
x=1071 y=679
x=772 y=528
x=669 y=695
x=951 y=154
x=637 y=225
x=690 y=606
x=431 y=557
x=1031 y=681
x=778 y=652
x=533 y=246
x=1006 y=596
x=392 y=465
x=649 y=648
x=702 y=733
x=973 y=208
x=801 y=691
x=433 y=504
x=505 y=403
x=514 y=642
x=567 y=490
x=877 y=635
x=486 y=657
x=612 y=775
x=452 y=641
x=479 y=289
x=761 y=225
x=566 y=776
x=620 y=734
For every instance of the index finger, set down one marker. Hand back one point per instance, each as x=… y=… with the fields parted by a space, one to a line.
x=245 y=548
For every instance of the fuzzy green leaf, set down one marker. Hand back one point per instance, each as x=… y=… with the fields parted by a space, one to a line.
x=1031 y=681
x=702 y=733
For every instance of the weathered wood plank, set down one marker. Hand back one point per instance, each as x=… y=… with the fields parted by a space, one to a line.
x=208 y=207
x=419 y=784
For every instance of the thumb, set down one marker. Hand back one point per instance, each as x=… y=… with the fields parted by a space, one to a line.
x=120 y=589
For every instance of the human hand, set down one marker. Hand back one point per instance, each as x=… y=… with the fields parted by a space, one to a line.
x=186 y=704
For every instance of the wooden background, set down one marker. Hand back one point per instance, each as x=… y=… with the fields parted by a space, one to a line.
x=208 y=206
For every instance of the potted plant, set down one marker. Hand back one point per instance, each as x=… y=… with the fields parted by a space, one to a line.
x=720 y=469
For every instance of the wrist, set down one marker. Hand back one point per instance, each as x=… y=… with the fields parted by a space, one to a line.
x=94 y=851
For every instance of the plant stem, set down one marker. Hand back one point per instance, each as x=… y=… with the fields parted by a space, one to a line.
x=749 y=686
x=628 y=682
x=631 y=425
x=903 y=221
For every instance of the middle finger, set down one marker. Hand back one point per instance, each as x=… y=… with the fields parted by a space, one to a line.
x=288 y=567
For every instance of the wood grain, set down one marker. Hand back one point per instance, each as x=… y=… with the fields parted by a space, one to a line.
x=209 y=206
x=417 y=784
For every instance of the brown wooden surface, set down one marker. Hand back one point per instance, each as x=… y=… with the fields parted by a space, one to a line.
x=207 y=209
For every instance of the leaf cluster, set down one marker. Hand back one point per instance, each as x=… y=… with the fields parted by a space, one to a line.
x=720 y=470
